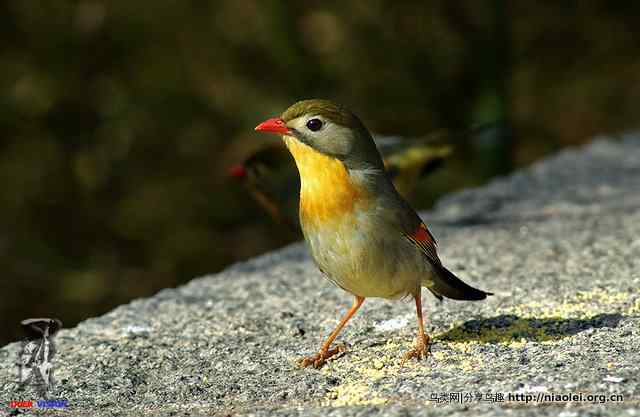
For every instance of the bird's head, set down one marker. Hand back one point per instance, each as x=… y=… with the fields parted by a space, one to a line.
x=270 y=165
x=327 y=128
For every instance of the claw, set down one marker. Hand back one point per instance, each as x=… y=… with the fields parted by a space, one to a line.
x=420 y=351
x=321 y=357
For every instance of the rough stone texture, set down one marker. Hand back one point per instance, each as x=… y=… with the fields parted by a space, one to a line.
x=558 y=243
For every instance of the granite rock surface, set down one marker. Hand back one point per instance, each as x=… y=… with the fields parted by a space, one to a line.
x=558 y=243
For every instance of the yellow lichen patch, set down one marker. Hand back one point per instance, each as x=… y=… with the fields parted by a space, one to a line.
x=367 y=370
x=355 y=393
x=603 y=296
x=635 y=308
x=355 y=390
x=540 y=321
x=373 y=373
x=468 y=365
x=458 y=356
x=365 y=367
x=583 y=305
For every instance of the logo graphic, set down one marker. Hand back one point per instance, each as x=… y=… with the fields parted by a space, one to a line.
x=36 y=358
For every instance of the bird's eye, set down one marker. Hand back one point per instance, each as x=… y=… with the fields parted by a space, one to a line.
x=314 y=125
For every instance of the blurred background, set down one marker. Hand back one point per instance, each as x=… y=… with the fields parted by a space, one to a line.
x=120 y=119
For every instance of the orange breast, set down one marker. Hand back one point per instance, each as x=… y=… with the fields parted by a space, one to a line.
x=326 y=190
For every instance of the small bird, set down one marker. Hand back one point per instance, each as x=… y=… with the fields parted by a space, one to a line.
x=270 y=176
x=409 y=160
x=362 y=234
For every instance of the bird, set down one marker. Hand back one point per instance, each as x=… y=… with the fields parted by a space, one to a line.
x=409 y=160
x=270 y=177
x=362 y=234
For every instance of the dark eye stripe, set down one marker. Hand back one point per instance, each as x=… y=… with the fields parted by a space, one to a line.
x=314 y=125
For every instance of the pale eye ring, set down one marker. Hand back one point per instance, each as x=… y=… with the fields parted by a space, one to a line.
x=314 y=124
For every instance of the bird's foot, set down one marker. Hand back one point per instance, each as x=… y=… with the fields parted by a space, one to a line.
x=321 y=357
x=421 y=350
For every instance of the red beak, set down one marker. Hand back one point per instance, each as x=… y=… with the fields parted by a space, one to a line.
x=275 y=125
x=237 y=171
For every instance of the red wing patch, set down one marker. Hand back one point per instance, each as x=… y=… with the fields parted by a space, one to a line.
x=422 y=234
x=424 y=240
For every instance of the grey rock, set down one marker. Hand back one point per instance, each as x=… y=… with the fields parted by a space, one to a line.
x=558 y=243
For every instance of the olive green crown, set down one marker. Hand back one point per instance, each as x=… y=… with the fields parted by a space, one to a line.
x=325 y=108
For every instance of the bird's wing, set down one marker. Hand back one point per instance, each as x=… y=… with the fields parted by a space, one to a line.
x=407 y=221
x=442 y=282
x=424 y=240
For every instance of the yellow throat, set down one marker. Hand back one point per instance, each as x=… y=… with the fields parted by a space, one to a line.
x=327 y=192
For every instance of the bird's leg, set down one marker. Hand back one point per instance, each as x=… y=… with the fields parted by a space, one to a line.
x=325 y=353
x=423 y=342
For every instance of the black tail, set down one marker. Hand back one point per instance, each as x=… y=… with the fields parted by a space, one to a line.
x=448 y=285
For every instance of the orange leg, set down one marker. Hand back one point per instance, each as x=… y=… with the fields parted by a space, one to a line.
x=423 y=342
x=319 y=358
